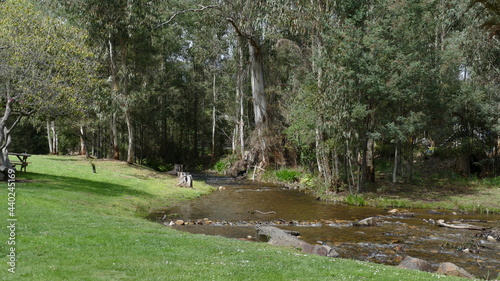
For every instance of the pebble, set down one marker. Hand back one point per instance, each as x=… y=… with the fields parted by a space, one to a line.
x=491 y=238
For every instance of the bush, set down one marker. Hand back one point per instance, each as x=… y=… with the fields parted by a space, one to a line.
x=286 y=175
x=157 y=165
x=356 y=200
x=221 y=167
x=165 y=167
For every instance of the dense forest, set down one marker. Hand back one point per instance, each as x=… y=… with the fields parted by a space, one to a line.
x=328 y=86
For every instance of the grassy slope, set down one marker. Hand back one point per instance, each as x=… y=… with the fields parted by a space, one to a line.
x=76 y=225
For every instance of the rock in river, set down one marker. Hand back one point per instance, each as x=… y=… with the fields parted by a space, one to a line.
x=371 y=221
x=279 y=237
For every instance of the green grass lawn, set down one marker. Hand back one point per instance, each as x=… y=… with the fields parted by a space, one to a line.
x=73 y=224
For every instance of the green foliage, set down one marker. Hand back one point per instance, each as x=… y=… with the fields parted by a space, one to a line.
x=287 y=175
x=157 y=164
x=386 y=71
x=308 y=181
x=49 y=69
x=491 y=182
x=355 y=200
x=221 y=166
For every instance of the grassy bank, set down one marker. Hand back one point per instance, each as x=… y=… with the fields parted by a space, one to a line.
x=73 y=224
x=434 y=191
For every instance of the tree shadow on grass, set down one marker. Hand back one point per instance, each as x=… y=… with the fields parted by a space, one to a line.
x=83 y=185
x=63 y=159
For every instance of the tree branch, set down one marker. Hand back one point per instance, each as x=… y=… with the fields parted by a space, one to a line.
x=15 y=123
x=243 y=35
x=187 y=11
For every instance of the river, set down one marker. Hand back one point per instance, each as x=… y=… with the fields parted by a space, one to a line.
x=239 y=205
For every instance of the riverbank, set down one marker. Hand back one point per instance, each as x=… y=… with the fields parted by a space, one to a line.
x=73 y=224
x=433 y=188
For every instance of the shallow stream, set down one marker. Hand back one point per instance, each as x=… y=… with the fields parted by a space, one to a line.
x=239 y=205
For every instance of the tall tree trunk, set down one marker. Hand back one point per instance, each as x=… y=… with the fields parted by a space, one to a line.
x=258 y=87
x=55 y=141
x=4 y=151
x=49 y=137
x=234 y=138
x=259 y=101
x=319 y=153
x=130 y=129
x=213 y=120
x=396 y=163
x=240 y=100
x=83 y=143
x=114 y=137
x=351 y=178
x=241 y=126
x=52 y=137
x=364 y=167
x=258 y=93
x=196 y=128
x=370 y=145
x=5 y=139
x=114 y=89
x=370 y=160
x=410 y=162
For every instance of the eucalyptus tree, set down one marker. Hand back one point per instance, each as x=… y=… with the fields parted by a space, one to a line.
x=250 y=21
x=406 y=54
x=46 y=70
x=329 y=100
x=124 y=31
x=475 y=106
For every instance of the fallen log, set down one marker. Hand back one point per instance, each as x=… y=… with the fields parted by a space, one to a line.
x=264 y=213
x=461 y=225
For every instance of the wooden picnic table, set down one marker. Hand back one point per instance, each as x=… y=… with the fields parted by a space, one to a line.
x=23 y=160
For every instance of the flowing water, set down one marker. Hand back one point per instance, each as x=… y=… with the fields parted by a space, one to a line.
x=238 y=206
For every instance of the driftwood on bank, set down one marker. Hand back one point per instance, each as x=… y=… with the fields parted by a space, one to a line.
x=263 y=213
x=461 y=225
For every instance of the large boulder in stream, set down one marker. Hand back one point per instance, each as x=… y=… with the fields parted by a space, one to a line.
x=450 y=269
x=279 y=237
x=416 y=264
x=371 y=221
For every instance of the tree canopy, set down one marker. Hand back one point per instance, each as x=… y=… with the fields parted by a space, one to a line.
x=334 y=86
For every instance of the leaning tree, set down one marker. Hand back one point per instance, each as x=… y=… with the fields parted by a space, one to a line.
x=45 y=70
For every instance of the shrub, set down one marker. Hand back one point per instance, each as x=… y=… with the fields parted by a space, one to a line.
x=221 y=166
x=286 y=175
x=356 y=200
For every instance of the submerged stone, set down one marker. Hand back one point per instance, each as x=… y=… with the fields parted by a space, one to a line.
x=371 y=221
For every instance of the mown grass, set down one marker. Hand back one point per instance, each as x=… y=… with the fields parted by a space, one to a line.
x=73 y=224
